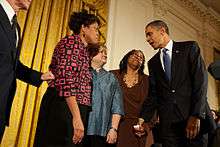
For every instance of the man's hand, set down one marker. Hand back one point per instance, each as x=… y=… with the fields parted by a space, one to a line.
x=47 y=76
x=193 y=127
x=139 y=129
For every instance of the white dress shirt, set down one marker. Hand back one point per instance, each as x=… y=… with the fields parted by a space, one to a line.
x=169 y=46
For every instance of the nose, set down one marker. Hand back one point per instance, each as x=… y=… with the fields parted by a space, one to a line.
x=98 y=32
x=147 y=38
x=97 y=35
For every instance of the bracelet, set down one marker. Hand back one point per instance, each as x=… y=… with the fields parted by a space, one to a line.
x=114 y=129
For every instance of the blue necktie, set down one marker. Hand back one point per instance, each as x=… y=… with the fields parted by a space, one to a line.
x=167 y=63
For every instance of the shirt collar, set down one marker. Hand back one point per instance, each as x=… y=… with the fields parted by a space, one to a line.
x=8 y=9
x=169 y=45
x=99 y=70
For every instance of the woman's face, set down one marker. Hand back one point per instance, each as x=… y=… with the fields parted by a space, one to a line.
x=91 y=33
x=101 y=57
x=136 y=59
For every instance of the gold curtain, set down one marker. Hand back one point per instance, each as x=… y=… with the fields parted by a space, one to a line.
x=42 y=27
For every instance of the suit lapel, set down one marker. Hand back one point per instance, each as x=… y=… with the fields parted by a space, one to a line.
x=175 y=64
x=5 y=23
x=159 y=70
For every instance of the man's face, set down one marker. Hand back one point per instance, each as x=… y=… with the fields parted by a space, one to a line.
x=154 y=36
x=23 y=4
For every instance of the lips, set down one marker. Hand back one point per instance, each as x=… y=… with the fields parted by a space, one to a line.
x=151 y=43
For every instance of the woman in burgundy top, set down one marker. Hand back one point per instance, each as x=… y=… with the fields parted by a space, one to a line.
x=67 y=101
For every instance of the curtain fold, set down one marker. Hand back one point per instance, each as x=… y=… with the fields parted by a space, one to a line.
x=42 y=27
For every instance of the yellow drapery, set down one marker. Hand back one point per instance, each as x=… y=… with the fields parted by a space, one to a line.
x=42 y=27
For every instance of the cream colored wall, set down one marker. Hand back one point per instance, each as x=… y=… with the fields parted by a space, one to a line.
x=187 y=20
x=127 y=19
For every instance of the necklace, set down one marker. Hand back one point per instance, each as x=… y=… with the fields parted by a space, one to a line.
x=130 y=80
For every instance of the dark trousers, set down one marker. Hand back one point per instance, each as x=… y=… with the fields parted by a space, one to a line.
x=199 y=141
x=214 y=138
x=175 y=136
x=2 y=129
x=156 y=145
x=97 y=141
x=54 y=127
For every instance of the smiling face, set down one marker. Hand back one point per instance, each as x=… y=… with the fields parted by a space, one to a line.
x=155 y=36
x=136 y=59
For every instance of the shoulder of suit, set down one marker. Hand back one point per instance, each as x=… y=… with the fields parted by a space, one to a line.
x=154 y=57
x=186 y=43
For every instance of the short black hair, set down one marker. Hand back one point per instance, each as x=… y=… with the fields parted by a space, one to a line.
x=124 y=62
x=77 y=19
x=159 y=24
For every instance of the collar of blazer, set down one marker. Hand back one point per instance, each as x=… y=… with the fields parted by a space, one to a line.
x=158 y=71
x=176 y=63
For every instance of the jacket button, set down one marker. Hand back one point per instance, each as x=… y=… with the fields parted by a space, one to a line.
x=173 y=91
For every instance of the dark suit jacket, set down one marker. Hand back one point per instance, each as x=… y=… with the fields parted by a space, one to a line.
x=11 y=68
x=185 y=94
x=214 y=69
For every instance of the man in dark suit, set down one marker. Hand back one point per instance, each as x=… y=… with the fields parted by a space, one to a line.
x=10 y=66
x=178 y=87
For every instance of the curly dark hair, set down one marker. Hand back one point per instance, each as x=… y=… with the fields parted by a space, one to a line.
x=124 y=62
x=77 y=19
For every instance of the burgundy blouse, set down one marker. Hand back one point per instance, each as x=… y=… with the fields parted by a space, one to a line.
x=70 y=66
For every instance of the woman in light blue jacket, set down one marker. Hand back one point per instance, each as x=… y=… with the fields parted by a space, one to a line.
x=107 y=106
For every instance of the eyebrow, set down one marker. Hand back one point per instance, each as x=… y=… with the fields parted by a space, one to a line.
x=138 y=55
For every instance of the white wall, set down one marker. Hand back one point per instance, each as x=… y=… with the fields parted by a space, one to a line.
x=128 y=18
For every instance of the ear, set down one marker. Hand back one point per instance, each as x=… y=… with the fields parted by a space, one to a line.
x=162 y=31
x=83 y=27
